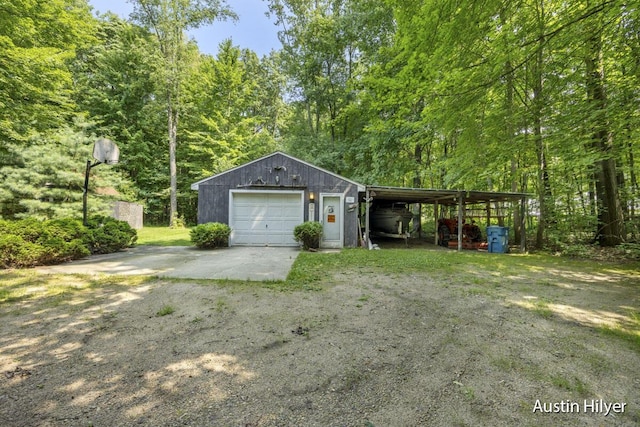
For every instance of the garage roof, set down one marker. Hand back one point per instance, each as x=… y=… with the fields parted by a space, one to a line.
x=360 y=187
x=443 y=197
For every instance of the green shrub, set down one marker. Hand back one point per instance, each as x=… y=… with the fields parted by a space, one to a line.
x=178 y=221
x=308 y=233
x=105 y=235
x=15 y=252
x=30 y=242
x=62 y=240
x=210 y=235
x=67 y=229
x=577 y=250
x=28 y=229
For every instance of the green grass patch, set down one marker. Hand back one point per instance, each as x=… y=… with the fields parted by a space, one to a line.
x=20 y=286
x=165 y=311
x=632 y=336
x=541 y=307
x=312 y=267
x=574 y=384
x=481 y=268
x=221 y=305
x=164 y=236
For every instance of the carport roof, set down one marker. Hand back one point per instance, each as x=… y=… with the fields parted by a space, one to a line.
x=443 y=197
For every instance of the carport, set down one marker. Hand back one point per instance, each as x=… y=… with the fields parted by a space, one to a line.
x=485 y=200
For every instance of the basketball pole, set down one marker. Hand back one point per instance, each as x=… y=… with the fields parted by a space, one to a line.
x=85 y=193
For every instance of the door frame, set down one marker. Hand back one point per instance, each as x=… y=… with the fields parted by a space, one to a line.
x=332 y=243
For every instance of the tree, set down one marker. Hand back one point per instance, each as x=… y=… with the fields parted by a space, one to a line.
x=497 y=96
x=38 y=41
x=116 y=88
x=327 y=45
x=232 y=115
x=168 y=20
x=47 y=178
x=610 y=220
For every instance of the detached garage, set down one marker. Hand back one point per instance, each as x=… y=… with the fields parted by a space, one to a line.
x=262 y=201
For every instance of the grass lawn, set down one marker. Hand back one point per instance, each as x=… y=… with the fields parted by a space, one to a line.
x=492 y=275
x=164 y=236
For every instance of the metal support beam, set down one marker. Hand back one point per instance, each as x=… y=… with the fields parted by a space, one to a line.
x=435 y=217
x=85 y=190
x=488 y=214
x=367 y=200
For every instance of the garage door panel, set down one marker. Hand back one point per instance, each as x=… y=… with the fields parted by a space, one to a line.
x=265 y=218
x=274 y=211
x=290 y=213
x=247 y=211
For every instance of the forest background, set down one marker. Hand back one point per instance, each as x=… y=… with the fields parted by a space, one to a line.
x=531 y=96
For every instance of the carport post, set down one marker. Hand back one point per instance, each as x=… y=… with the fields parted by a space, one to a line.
x=460 y=213
x=435 y=217
x=488 y=213
x=366 y=218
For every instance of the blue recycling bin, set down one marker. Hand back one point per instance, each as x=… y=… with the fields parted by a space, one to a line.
x=498 y=239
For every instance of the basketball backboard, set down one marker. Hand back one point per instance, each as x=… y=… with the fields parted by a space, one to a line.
x=106 y=151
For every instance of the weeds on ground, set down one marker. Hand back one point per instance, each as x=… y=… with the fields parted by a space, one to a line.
x=165 y=311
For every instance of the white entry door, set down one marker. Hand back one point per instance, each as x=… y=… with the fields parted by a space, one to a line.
x=264 y=218
x=332 y=220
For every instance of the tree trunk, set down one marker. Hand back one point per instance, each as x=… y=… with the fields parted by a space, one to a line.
x=610 y=226
x=544 y=186
x=634 y=179
x=417 y=183
x=509 y=130
x=173 y=170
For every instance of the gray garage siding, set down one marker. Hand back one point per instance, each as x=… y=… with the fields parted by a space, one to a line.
x=292 y=173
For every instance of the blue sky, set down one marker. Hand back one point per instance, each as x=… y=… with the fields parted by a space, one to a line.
x=253 y=30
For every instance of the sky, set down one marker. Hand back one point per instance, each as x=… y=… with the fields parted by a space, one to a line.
x=252 y=30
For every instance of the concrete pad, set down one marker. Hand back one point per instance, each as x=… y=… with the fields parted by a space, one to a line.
x=240 y=263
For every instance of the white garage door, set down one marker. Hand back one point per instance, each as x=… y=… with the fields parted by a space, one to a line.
x=264 y=217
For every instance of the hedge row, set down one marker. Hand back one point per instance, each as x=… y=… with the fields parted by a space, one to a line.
x=29 y=242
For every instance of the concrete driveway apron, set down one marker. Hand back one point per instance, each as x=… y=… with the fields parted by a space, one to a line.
x=239 y=263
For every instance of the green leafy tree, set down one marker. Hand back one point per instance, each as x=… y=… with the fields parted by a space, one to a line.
x=327 y=46
x=168 y=20
x=233 y=116
x=38 y=41
x=117 y=89
x=510 y=97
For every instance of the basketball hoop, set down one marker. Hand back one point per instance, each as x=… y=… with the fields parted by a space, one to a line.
x=104 y=151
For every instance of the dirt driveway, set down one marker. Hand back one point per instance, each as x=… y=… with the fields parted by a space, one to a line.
x=465 y=347
x=187 y=262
